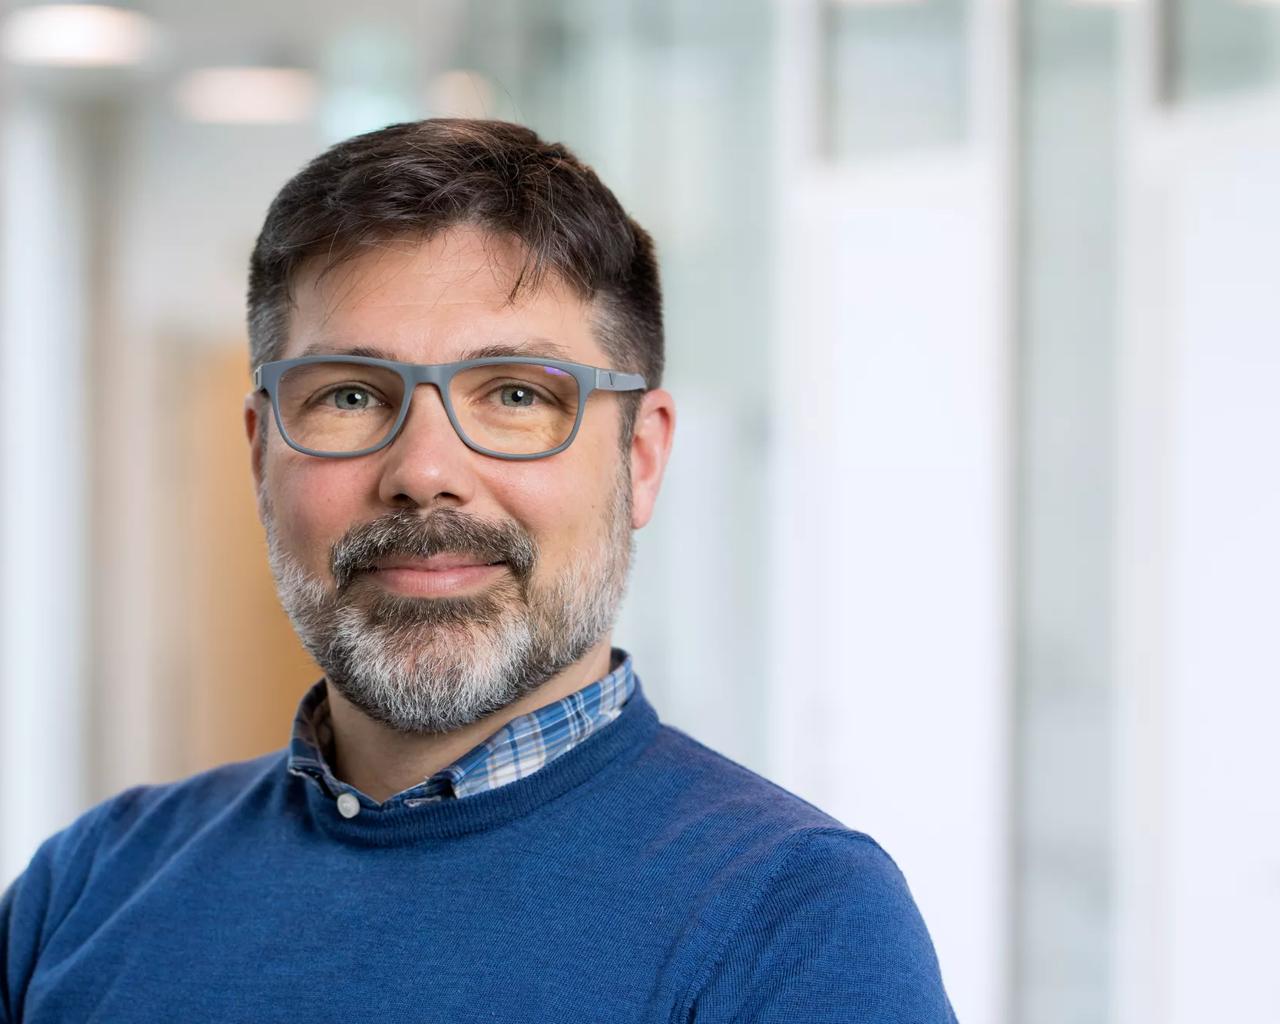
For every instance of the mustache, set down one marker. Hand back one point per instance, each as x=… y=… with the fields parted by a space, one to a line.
x=445 y=531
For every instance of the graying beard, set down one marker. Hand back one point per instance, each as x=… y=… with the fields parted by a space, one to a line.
x=423 y=692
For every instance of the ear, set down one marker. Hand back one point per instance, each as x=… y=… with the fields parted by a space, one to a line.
x=255 y=427
x=650 y=448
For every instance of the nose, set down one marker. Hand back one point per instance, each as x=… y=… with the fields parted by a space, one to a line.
x=427 y=464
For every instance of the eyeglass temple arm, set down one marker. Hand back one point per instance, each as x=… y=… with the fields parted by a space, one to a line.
x=611 y=380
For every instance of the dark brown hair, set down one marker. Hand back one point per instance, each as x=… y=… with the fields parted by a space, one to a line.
x=419 y=178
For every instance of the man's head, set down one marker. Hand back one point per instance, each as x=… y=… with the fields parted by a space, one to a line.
x=424 y=243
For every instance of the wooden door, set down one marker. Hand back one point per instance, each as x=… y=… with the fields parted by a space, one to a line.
x=245 y=669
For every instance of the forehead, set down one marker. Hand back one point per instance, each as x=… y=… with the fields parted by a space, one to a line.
x=438 y=300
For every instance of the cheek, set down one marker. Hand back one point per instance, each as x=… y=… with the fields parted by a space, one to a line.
x=315 y=503
x=561 y=504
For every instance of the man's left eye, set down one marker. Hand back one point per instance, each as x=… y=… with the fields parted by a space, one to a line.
x=352 y=398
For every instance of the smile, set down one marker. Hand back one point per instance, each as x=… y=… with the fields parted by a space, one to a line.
x=419 y=582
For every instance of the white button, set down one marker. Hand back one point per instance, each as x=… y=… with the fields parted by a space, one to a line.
x=348 y=805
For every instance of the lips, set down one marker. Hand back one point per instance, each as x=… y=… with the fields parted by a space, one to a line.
x=436 y=563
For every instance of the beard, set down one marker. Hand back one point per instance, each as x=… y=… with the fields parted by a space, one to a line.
x=434 y=665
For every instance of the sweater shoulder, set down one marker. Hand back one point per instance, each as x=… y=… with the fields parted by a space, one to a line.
x=713 y=784
x=198 y=788
x=116 y=837
x=787 y=901
x=174 y=807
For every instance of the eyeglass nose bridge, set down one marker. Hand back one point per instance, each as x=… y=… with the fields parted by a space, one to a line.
x=415 y=376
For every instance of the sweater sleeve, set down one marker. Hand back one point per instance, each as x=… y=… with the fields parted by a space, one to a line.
x=23 y=910
x=833 y=935
x=39 y=898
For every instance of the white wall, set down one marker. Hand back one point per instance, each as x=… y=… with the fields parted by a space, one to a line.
x=1199 y=863
x=43 y=571
x=890 y=682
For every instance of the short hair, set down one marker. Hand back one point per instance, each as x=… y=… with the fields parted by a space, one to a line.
x=420 y=178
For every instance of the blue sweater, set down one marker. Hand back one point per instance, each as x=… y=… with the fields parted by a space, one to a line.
x=640 y=876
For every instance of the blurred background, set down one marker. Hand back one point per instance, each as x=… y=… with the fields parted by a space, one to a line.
x=969 y=535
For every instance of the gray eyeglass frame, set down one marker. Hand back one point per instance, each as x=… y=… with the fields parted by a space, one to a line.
x=590 y=378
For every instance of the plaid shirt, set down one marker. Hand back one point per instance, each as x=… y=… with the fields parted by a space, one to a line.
x=519 y=748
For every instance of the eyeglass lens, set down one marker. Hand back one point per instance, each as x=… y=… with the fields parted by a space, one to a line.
x=513 y=408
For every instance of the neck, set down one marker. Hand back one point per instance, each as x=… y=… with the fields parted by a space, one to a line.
x=381 y=762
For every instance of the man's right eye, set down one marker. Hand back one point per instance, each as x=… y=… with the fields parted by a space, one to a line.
x=349 y=398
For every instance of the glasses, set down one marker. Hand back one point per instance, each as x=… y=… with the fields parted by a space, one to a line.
x=507 y=406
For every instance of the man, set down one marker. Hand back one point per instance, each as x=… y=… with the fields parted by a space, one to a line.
x=479 y=816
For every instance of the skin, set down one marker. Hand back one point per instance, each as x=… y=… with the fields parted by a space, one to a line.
x=430 y=303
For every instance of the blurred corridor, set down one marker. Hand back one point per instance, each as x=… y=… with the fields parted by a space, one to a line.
x=969 y=531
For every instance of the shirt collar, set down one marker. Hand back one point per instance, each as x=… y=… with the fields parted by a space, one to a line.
x=518 y=748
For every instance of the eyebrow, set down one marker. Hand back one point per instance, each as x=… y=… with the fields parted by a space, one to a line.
x=530 y=347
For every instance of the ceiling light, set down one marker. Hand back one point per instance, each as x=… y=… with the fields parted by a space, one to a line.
x=247 y=95
x=76 y=35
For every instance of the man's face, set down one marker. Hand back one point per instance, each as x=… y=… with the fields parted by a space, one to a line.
x=408 y=653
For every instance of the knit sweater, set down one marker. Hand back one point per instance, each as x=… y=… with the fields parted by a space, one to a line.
x=639 y=876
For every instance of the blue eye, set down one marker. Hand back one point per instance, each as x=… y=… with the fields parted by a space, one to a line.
x=529 y=392
x=350 y=398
